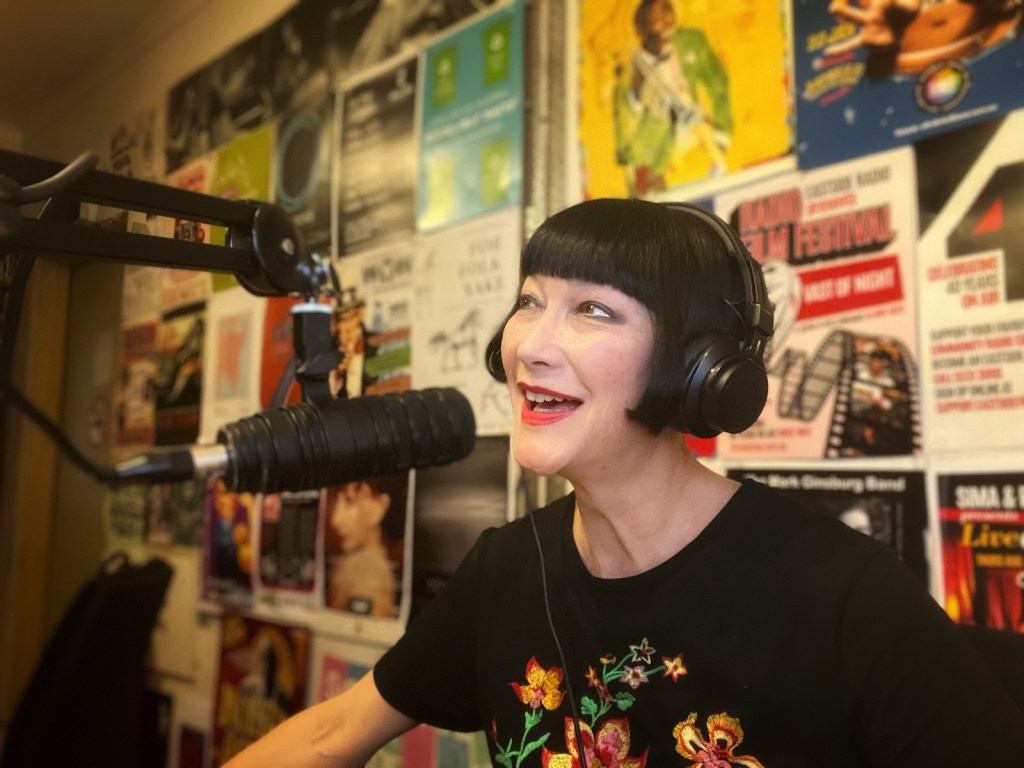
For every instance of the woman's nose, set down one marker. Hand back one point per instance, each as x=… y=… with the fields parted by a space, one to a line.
x=542 y=339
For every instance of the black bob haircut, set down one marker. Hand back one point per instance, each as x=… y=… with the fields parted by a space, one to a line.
x=669 y=260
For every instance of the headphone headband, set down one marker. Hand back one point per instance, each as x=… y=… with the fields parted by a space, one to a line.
x=758 y=317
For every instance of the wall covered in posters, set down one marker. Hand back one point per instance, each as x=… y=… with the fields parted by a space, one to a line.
x=897 y=292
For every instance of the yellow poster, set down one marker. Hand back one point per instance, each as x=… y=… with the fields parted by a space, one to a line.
x=679 y=91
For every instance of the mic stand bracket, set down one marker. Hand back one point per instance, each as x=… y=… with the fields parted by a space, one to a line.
x=263 y=249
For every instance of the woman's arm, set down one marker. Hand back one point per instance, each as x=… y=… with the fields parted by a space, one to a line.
x=344 y=731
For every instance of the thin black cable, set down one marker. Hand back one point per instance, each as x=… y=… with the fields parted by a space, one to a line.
x=23 y=404
x=60 y=181
x=558 y=644
x=15 y=299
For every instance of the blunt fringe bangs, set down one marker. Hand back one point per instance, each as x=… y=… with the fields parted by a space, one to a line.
x=670 y=261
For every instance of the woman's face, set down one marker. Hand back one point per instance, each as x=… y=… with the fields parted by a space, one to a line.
x=357 y=514
x=577 y=355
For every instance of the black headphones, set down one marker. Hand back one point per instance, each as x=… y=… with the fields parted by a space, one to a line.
x=725 y=384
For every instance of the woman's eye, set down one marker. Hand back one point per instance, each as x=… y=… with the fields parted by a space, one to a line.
x=525 y=300
x=593 y=309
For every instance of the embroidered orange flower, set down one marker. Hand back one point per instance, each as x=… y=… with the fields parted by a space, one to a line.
x=717 y=750
x=541 y=687
x=608 y=749
x=674 y=667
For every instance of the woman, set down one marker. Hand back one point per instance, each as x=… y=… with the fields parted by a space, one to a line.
x=362 y=576
x=661 y=614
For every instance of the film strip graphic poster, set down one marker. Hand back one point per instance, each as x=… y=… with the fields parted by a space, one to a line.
x=981 y=520
x=837 y=245
x=972 y=298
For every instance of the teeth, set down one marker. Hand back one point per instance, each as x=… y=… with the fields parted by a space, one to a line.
x=537 y=397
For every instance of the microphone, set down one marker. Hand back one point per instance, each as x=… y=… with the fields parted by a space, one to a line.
x=314 y=445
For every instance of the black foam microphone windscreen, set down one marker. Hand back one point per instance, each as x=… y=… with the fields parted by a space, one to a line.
x=308 y=446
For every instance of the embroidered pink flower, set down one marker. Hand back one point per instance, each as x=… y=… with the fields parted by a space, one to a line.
x=674 y=667
x=717 y=750
x=541 y=689
x=609 y=748
x=634 y=677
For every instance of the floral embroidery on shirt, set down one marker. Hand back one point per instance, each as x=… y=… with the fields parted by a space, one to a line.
x=605 y=739
x=715 y=751
x=627 y=671
x=541 y=691
x=608 y=748
x=541 y=686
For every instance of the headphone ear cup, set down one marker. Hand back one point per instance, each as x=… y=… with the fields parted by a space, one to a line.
x=725 y=388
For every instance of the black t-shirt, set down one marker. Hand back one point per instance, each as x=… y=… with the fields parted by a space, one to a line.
x=777 y=637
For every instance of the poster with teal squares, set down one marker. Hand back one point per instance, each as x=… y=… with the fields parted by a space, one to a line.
x=471 y=132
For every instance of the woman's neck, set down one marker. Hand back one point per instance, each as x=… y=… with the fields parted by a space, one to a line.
x=625 y=528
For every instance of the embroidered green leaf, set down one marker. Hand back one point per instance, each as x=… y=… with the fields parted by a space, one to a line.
x=532 y=718
x=624 y=700
x=588 y=706
x=533 y=745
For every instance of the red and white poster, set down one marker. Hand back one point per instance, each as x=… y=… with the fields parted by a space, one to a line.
x=972 y=302
x=837 y=247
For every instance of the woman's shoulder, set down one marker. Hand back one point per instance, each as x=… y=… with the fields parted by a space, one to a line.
x=768 y=520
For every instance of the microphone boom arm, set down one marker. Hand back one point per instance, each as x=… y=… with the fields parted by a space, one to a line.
x=264 y=250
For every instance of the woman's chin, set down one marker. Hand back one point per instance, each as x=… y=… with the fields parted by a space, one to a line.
x=537 y=462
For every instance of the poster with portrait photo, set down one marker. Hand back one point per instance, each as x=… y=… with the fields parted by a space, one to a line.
x=889 y=506
x=366 y=572
x=671 y=93
x=874 y=74
x=837 y=248
x=981 y=521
